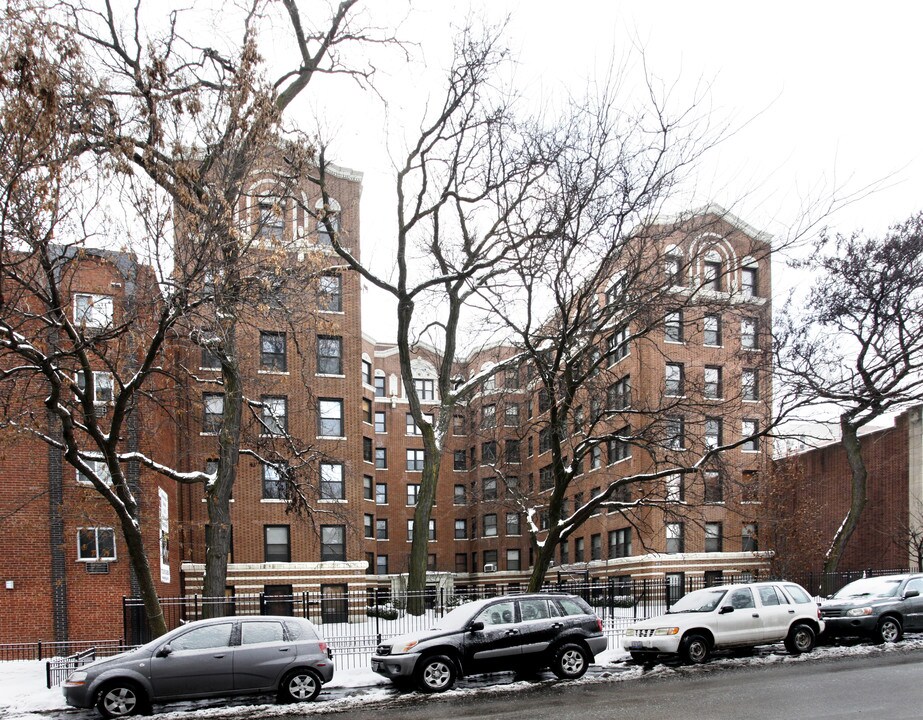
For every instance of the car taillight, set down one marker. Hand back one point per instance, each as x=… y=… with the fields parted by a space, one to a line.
x=599 y=624
x=322 y=646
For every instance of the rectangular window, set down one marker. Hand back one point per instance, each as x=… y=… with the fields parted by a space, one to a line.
x=96 y=544
x=596 y=455
x=366 y=411
x=712 y=330
x=714 y=383
x=329 y=355
x=426 y=389
x=749 y=384
x=332 y=486
x=748 y=282
x=415 y=459
x=513 y=524
x=381 y=529
x=366 y=372
x=620 y=543
x=748 y=538
x=330 y=417
x=380 y=386
x=380 y=422
x=673 y=330
x=330 y=293
x=332 y=543
x=675 y=538
x=460 y=496
x=210 y=360
x=368 y=450
x=276 y=544
x=512 y=452
x=619 y=449
x=488 y=452
x=579 y=545
x=432 y=530
x=749 y=429
x=714 y=432
x=565 y=552
x=460 y=460
x=714 y=486
x=461 y=529
x=544 y=401
x=618 y=345
x=489 y=488
x=381 y=565
x=488 y=416
x=273 y=351
x=544 y=440
x=368 y=487
x=711 y=275
x=676 y=488
x=490 y=525
x=673 y=271
x=750 y=487
x=675 y=433
x=458 y=424
x=274 y=415
x=674 y=379
x=546 y=478
x=513 y=561
x=511 y=378
x=270 y=222
x=413 y=493
x=102 y=386
x=596 y=547
x=381 y=493
x=92 y=311
x=274 y=485
x=411 y=424
x=619 y=394
x=213 y=411
x=748 y=333
x=713 y=535
x=101 y=470
x=461 y=562
x=368 y=526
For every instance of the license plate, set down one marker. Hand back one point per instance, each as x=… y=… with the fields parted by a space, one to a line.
x=636 y=645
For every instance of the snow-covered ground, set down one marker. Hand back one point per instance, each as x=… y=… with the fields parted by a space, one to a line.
x=23 y=695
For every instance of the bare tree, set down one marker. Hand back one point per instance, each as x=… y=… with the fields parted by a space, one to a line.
x=180 y=129
x=856 y=343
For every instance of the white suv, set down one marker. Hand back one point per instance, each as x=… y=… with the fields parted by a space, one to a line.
x=729 y=616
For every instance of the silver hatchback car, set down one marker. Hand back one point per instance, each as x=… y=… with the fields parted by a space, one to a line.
x=208 y=658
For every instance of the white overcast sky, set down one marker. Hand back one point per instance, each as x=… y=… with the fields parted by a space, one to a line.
x=825 y=98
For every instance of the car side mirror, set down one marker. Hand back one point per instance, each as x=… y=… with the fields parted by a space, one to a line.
x=475 y=626
x=911 y=593
x=726 y=609
x=164 y=651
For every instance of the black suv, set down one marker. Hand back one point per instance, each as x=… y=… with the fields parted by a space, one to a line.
x=521 y=632
x=880 y=607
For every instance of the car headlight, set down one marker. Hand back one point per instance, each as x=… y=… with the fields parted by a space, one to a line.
x=406 y=647
x=858 y=612
x=666 y=631
x=629 y=631
x=79 y=677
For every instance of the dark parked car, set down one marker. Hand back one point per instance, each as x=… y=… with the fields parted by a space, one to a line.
x=881 y=608
x=208 y=658
x=523 y=633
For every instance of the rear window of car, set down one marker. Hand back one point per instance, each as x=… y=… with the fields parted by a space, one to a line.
x=798 y=595
x=300 y=631
x=572 y=607
x=260 y=631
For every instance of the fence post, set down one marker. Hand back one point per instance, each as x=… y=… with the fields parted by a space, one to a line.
x=666 y=593
x=377 y=613
x=39 y=647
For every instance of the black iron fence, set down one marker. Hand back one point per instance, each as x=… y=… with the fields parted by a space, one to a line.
x=57 y=670
x=354 y=622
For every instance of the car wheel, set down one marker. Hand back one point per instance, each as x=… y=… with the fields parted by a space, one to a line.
x=695 y=649
x=889 y=630
x=435 y=673
x=299 y=686
x=642 y=658
x=570 y=661
x=121 y=699
x=801 y=639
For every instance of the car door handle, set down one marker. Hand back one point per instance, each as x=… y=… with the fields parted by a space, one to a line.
x=285 y=649
x=512 y=632
x=556 y=626
x=791 y=612
x=756 y=614
x=218 y=657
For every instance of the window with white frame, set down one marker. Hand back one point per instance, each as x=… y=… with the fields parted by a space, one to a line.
x=368 y=487
x=381 y=425
x=675 y=433
x=273 y=351
x=596 y=457
x=712 y=272
x=368 y=526
x=513 y=524
x=489 y=488
x=673 y=328
x=96 y=544
x=748 y=333
x=714 y=432
x=714 y=387
x=675 y=538
x=618 y=345
x=513 y=561
x=100 y=469
x=620 y=543
x=432 y=530
x=488 y=416
x=332 y=543
x=381 y=458
x=619 y=394
x=274 y=415
x=381 y=564
x=92 y=311
x=330 y=293
x=102 y=386
x=366 y=371
x=329 y=355
x=461 y=529
x=270 y=219
x=212 y=412
x=415 y=459
x=749 y=430
x=748 y=541
x=380 y=384
x=413 y=493
x=381 y=529
x=426 y=388
x=273 y=482
x=381 y=493
x=460 y=496
x=676 y=488
x=332 y=486
x=675 y=379
x=330 y=417
x=748 y=281
x=714 y=486
x=712 y=330
x=490 y=525
x=713 y=536
x=673 y=269
x=412 y=428
x=749 y=384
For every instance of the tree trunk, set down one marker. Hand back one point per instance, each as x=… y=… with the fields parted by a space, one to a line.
x=419 y=548
x=131 y=531
x=544 y=556
x=858 y=495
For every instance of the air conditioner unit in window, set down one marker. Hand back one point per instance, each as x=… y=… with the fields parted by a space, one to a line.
x=490 y=567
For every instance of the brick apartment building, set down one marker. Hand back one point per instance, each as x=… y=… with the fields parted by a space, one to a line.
x=340 y=391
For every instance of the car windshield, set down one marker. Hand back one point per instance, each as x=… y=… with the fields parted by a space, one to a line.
x=456 y=619
x=870 y=587
x=699 y=601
